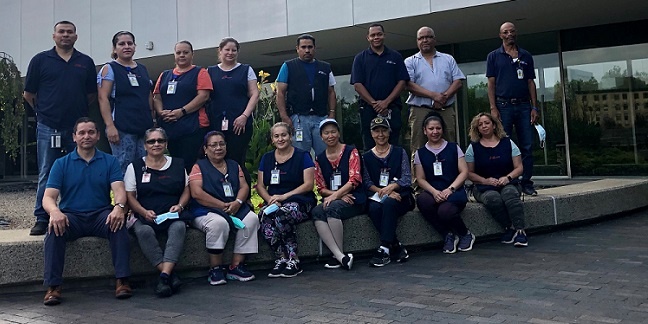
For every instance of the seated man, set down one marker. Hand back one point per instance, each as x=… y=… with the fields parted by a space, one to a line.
x=83 y=180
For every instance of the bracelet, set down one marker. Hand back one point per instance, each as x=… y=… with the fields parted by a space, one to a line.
x=181 y=207
x=184 y=111
x=331 y=110
x=536 y=109
x=246 y=116
x=239 y=201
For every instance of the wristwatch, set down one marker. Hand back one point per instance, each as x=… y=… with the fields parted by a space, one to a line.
x=509 y=178
x=452 y=189
x=239 y=201
x=122 y=206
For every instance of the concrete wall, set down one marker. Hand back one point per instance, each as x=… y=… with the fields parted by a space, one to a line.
x=28 y=25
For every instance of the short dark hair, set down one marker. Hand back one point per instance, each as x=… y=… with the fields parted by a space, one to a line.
x=116 y=38
x=202 y=152
x=184 y=42
x=65 y=22
x=305 y=36
x=81 y=121
x=376 y=25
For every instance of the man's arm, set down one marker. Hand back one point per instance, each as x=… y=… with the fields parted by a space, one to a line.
x=282 y=89
x=363 y=93
x=58 y=221
x=116 y=219
x=534 y=96
x=332 y=101
x=30 y=98
x=491 y=97
x=452 y=90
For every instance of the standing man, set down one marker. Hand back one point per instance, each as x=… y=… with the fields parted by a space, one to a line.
x=435 y=78
x=60 y=85
x=304 y=92
x=83 y=180
x=512 y=96
x=379 y=75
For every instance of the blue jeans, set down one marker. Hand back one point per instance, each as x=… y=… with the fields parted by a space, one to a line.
x=46 y=156
x=85 y=224
x=519 y=116
x=129 y=149
x=311 y=134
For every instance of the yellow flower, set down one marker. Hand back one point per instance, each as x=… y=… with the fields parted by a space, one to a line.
x=261 y=73
x=273 y=86
x=259 y=85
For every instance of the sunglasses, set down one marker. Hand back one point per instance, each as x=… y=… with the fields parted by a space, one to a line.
x=156 y=140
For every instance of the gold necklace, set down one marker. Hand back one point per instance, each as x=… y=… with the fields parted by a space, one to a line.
x=383 y=152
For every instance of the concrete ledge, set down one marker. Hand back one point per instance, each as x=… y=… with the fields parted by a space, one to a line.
x=21 y=255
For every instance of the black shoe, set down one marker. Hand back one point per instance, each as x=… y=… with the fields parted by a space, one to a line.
x=380 y=258
x=333 y=264
x=292 y=269
x=347 y=261
x=399 y=253
x=529 y=191
x=163 y=288
x=175 y=283
x=280 y=266
x=40 y=228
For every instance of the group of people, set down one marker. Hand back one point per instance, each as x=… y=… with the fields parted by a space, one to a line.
x=179 y=146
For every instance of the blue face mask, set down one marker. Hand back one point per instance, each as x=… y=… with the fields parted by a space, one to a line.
x=542 y=134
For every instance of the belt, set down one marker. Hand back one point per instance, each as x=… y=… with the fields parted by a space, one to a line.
x=514 y=101
x=430 y=107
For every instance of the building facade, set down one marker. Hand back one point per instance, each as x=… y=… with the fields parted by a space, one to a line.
x=591 y=56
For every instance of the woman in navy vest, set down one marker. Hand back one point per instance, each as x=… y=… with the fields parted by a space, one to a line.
x=179 y=98
x=156 y=185
x=219 y=191
x=125 y=100
x=285 y=182
x=387 y=178
x=494 y=165
x=233 y=101
x=338 y=178
x=441 y=170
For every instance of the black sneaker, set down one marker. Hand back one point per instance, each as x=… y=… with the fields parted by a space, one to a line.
x=529 y=191
x=333 y=264
x=466 y=242
x=217 y=276
x=347 y=261
x=40 y=228
x=380 y=258
x=508 y=236
x=520 y=239
x=292 y=269
x=280 y=265
x=399 y=253
x=175 y=282
x=163 y=288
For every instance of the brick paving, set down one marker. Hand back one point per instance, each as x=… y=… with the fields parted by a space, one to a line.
x=592 y=274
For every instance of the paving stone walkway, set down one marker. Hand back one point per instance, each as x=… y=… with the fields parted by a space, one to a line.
x=592 y=274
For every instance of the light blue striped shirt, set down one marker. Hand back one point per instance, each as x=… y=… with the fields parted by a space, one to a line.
x=437 y=78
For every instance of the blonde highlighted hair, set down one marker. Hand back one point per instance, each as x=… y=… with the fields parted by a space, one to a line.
x=498 y=129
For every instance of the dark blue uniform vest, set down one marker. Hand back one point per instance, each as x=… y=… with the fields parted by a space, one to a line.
x=291 y=176
x=300 y=99
x=393 y=164
x=162 y=191
x=186 y=90
x=450 y=169
x=495 y=162
x=230 y=96
x=130 y=107
x=213 y=185
x=343 y=168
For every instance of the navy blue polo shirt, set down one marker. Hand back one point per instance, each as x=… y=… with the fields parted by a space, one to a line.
x=501 y=66
x=379 y=73
x=61 y=87
x=84 y=186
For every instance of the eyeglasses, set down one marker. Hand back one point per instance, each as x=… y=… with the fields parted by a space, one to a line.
x=215 y=145
x=156 y=140
x=425 y=37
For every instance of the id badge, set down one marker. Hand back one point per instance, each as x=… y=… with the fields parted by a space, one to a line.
x=146 y=177
x=133 y=80
x=384 y=178
x=224 y=124
x=171 y=89
x=337 y=178
x=55 y=140
x=438 y=171
x=334 y=186
x=227 y=188
x=299 y=134
x=274 y=176
x=520 y=74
